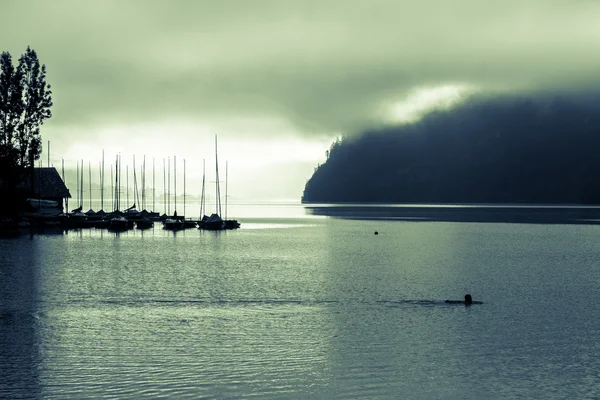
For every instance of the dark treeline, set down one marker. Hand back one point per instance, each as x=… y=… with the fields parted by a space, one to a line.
x=536 y=149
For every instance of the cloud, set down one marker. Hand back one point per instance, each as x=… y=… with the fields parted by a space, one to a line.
x=322 y=67
x=426 y=100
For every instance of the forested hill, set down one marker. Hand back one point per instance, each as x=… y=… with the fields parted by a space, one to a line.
x=489 y=150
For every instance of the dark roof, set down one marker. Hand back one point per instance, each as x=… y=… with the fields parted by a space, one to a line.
x=47 y=184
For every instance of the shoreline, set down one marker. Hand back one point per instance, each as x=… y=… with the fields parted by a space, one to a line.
x=531 y=214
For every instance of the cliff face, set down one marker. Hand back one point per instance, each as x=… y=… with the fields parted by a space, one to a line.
x=490 y=150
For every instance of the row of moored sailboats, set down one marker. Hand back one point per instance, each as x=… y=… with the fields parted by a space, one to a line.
x=131 y=218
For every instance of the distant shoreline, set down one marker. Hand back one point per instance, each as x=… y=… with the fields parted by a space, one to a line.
x=507 y=213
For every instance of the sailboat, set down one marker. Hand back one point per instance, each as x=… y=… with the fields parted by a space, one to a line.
x=164 y=215
x=76 y=218
x=173 y=223
x=118 y=222
x=92 y=216
x=214 y=222
x=153 y=215
x=144 y=221
x=187 y=223
x=103 y=222
x=132 y=213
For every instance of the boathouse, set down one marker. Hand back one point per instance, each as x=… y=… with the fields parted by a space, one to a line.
x=45 y=184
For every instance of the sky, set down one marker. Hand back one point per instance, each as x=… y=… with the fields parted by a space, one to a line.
x=277 y=81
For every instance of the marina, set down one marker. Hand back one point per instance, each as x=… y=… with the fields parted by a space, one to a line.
x=50 y=198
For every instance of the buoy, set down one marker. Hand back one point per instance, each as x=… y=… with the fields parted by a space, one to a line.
x=377 y=233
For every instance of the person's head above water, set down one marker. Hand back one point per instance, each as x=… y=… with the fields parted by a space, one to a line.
x=468 y=299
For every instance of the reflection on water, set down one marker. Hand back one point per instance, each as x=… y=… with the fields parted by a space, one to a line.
x=302 y=308
x=19 y=341
x=512 y=213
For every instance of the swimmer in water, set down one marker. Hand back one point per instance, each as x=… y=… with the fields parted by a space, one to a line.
x=467 y=301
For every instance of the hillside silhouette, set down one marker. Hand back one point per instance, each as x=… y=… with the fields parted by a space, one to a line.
x=526 y=149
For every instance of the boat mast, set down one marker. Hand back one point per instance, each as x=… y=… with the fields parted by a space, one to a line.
x=136 y=191
x=118 y=177
x=218 y=193
x=164 y=188
x=65 y=182
x=90 y=175
x=202 y=199
x=112 y=187
x=175 y=182
x=144 y=184
x=136 y=197
x=153 y=187
x=226 y=174
x=102 y=184
x=77 y=182
x=116 y=185
x=81 y=187
x=169 y=187
x=184 y=188
x=127 y=184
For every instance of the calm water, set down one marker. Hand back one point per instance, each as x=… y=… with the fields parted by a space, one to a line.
x=297 y=306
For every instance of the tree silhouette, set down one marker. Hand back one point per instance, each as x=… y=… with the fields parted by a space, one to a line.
x=25 y=102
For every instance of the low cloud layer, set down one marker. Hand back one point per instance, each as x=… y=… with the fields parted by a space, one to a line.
x=317 y=68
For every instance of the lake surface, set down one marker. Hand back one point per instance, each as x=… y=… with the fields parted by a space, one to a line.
x=295 y=305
